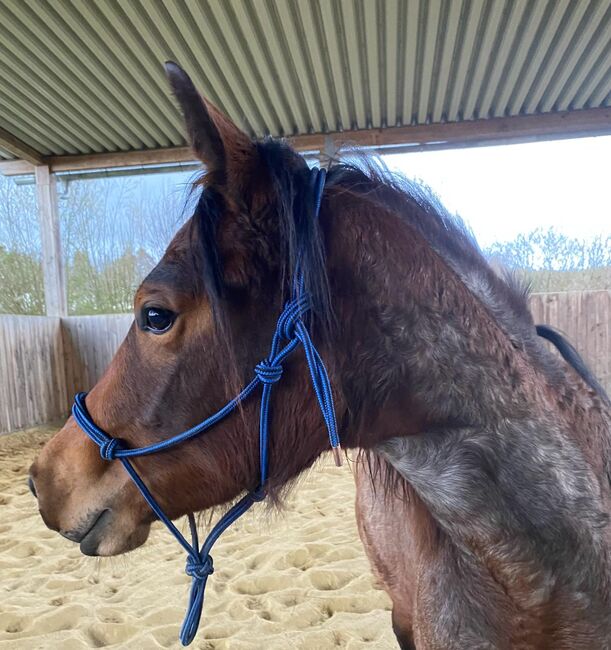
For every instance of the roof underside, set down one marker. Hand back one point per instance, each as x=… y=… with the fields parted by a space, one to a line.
x=82 y=77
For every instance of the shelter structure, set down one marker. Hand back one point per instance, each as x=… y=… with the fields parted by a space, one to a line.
x=83 y=87
x=83 y=93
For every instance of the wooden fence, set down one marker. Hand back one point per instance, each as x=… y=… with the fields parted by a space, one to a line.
x=44 y=361
x=89 y=343
x=585 y=318
x=32 y=382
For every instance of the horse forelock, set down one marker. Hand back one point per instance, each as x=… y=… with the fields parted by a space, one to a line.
x=276 y=211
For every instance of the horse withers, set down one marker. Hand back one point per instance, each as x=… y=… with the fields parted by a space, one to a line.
x=483 y=472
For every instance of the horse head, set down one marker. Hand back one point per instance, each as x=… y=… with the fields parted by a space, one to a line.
x=204 y=318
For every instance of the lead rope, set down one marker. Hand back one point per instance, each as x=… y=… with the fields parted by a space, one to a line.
x=290 y=328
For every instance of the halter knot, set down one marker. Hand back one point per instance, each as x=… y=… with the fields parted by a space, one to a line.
x=292 y=313
x=109 y=448
x=199 y=569
x=259 y=494
x=267 y=372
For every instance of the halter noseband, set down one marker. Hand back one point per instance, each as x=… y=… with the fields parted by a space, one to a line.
x=290 y=332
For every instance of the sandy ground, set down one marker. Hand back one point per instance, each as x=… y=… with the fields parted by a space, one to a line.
x=298 y=580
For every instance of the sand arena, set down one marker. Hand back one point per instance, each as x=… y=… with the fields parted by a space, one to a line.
x=295 y=580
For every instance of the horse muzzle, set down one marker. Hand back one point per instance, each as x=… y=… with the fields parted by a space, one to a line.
x=96 y=507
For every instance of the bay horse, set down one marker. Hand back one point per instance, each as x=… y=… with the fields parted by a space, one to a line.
x=483 y=459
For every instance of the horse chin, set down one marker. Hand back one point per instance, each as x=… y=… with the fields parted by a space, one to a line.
x=108 y=536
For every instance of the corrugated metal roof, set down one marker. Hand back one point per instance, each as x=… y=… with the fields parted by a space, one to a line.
x=82 y=77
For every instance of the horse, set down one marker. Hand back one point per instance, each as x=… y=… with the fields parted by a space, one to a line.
x=482 y=457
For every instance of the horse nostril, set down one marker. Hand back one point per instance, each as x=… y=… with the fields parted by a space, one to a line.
x=32 y=486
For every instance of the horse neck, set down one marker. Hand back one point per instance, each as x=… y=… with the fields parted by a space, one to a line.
x=523 y=534
x=418 y=348
x=439 y=341
x=479 y=435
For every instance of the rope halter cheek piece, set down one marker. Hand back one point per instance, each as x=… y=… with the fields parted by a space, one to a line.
x=290 y=333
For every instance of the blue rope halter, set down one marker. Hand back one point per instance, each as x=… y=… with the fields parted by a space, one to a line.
x=290 y=329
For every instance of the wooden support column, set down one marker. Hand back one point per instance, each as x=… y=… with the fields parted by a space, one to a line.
x=48 y=217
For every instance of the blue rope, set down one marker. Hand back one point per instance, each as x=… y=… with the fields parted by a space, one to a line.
x=290 y=328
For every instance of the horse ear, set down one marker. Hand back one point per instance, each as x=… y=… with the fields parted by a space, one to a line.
x=223 y=148
x=231 y=160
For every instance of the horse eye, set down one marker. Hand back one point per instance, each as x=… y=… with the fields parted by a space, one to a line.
x=158 y=320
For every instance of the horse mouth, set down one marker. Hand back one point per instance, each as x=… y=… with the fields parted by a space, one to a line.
x=89 y=536
x=106 y=532
x=90 y=542
x=108 y=535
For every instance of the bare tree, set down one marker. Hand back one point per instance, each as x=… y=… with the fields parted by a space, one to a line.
x=113 y=232
x=552 y=261
x=21 y=281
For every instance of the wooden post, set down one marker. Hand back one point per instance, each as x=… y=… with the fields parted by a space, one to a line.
x=53 y=270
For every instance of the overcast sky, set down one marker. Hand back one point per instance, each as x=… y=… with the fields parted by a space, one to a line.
x=504 y=190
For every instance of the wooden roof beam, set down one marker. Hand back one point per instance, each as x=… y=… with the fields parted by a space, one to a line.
x=500 y=130
x=93 y=161
x=18 y=148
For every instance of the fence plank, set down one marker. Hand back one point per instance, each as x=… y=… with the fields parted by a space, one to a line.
x=32 y=389
x=90 y=343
